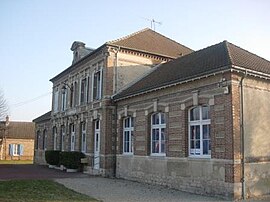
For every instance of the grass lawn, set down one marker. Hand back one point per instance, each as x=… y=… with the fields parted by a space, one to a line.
x=16 y=162
x=38 y=190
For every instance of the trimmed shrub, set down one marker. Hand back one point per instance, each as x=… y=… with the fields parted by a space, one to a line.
x=52 y=157
x=71 y=159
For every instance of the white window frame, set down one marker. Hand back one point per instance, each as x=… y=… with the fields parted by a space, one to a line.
x=83 y=137
x=198 y=153
x=72 y=137
x=55 y=99
x=99 y=85
x=129 y=131
x=64 y=99
x=16 y=149
x=159 y=128
x=63 y=128
x=83 y=98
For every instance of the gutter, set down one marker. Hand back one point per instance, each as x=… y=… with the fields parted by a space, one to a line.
x=242 y=136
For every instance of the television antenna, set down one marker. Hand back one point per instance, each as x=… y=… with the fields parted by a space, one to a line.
x=153 y=23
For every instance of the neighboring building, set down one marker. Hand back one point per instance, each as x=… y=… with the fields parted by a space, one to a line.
x=16 y=140
x=196 y=123
x=199 y=124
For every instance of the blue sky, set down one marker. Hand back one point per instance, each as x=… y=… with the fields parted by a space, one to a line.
x=36 y=36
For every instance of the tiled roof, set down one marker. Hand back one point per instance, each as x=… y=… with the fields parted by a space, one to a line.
x=146 y=41
x=19 y=130
x=150 y=41
x=208 y=60
x=44 y=117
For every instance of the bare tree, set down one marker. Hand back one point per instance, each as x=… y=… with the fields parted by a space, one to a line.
x=3 y=106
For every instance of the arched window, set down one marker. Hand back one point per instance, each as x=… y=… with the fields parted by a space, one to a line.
x=158 y=135
x=128 y=135
x=199 y=132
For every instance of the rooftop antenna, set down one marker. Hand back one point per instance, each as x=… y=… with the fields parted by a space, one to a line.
x=153 y=23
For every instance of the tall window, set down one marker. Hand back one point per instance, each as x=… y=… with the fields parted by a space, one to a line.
x=64 y=99
x=158 y=135
x=97 y=85
x=83 y=91
x=44 y=146
x=62 y=146
x=72 y=137
x=54 y=137
x=83 y=137
x=128 y=135
x=71 y=99
x=55 y=100
x=199 y=132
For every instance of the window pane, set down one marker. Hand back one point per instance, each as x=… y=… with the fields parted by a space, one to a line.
x=206 y=147
x=197 y=132
x=162 y=134
x=155 y=119
x=206 y=131
x=195 y=114
x=131 y=122
x=127 y=123
x=198 y=146
x=162 y=117
x=205 y=112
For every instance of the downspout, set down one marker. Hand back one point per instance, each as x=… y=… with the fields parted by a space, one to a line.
x=242 y=136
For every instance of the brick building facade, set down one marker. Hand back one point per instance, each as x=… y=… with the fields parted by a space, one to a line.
x=196 y=123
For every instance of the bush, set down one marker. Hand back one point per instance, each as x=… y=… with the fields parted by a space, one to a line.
x=71 y=160
x=52 y=157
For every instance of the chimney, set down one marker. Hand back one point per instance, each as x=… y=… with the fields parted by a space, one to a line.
x=79 y=51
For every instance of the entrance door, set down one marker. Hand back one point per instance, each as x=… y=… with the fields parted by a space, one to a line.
x=97 y=145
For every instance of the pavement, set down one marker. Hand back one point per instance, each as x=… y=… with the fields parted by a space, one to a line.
x=104 y=189
x=30 y=171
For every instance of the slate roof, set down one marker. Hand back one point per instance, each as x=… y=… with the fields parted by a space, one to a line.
x=208 y=60
x=44 y=117
x=19 y=130
x=150 y=41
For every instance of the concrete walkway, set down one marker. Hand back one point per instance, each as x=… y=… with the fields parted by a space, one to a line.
x=118 y=190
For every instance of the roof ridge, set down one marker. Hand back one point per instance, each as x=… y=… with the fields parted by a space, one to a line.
x=247 y=51
x=227 y=48
x=127 y=36
x=171 y=39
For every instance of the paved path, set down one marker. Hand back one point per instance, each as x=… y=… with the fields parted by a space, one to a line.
x=29 y=171
x=117 y=190
x=105 y=189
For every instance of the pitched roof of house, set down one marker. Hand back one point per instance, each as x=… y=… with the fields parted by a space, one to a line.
x=20 y=130
x=150 y=41
x=212 y=59
x=146 y=41
x=43 y=117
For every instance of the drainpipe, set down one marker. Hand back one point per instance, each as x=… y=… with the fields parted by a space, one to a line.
x=242 y=136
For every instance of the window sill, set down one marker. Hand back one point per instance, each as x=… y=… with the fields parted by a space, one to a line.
x=128 y=154
x=158 y=155
x=199 y=157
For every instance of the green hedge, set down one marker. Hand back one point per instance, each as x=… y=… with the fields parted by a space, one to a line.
x=71 y=160
x=52 y=157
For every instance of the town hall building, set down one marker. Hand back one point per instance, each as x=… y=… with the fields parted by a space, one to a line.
x=149 y=109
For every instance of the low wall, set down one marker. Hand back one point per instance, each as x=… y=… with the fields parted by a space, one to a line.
x=200 y=176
